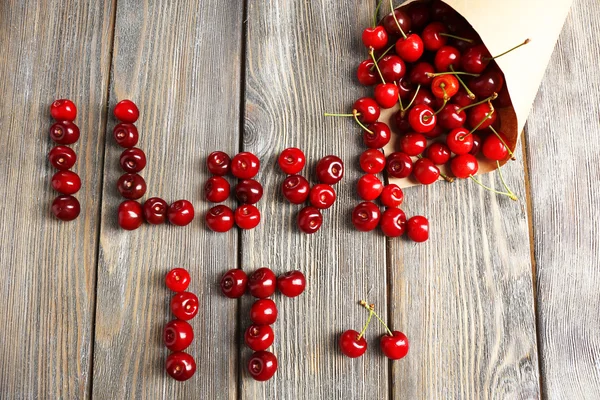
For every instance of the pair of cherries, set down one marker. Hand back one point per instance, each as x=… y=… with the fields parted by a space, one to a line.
x=297 y=190
x=244 y=166
x=259 y=336
x=64 y=132
x=178 y=334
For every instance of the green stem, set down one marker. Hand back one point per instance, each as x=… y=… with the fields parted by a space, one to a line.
x=514 y=197
x=372 y=54
x=481 y=122
x=372 y=312
x=396 y=19
x=430 y=75
x=414 y=98
x=376 y=13
x=360 y=123
x=364 y=329
x=456 y=37
x=512 y=156
x=338 y=115
x=508 y=51
x=470 y=94
x=511 y=195
x=491 y=98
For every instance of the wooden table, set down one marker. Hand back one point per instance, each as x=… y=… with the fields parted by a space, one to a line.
x=501 y=302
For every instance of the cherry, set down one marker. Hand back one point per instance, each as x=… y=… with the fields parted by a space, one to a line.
x=392 y=196
x=131 y=186
x=219 y=218
x=441 y=11
x=375 y=38
x=367 y=110
x=245 y=165
x=419 y=74
x=181 y=213
x=177 y=279
x=432 y=38
x=66 y=182
x=63 y=110
x=365 y=216
x=322 y=196
x=126 y=111
x=178 y=335
x=372 y=161
x=295 y=189
x=488 y=83
x=391 y=26
x=393 y=222
x=422 y=119
x=262 y=365
x=309 y=220
x=417 y=229
x=503 y=100
x=66 y=208
x=218 y=163
x=445 y=57
x=181 y=366
x=247 y=216
x=155 y=210
x=476 y=144
x=62 y=157
x=413 y=144
x=291 y=160
x=494 y=149
x=262 y=283
x=476 y=59
x=184 y=305
x=444 y=86
x=352 y=344
x=133 y=160
x=259 y=337
x=263 y=312
x=419 y=15
x=462 y=98
x=435 y=132
x=126 y=135
x=377 y=136
x=386 y=95
x=394 y=347
x=459 y=141
x=291 y=284
x=464 y=166
x=399 y=165
x=425 y=97
x=411 y=48
x=216 y=189
x=367 y=74
x=64 y=132
x=405 y=88
x=330 y=170
x=392 y=68
x=401 y=121
x=451 y=117
x=248 y=191
x=369 y=187
x=130 y=215
x=425 y=171
x=233 y=283
x=438 y=153
x=481 y=117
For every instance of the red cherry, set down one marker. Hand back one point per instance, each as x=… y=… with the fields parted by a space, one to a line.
x=368 y=110
x=392 y=196
x=367 y=74
x=245 y=165
x=262 y=283
x=130 y=215
x=392 y=68
x=399 y=165
x=126 y=111
x=394 y=347
x=486 y=84
x=422 y=119
x=216 y=189
x=351 y=345
x=459 y=141
x=419 y=15
x=417 y=229
x=372 y=161
x=247 y=216
x=463 y=166
x=63 y=110
x=391 y=26
x=291 y=284
x=393 y=222
x=445 y=57
x=309 y=220
x=494 y=148
x=441 y=11
x=219 y=219
x=405 y=88
x=410 y=49
x=365 y=216
x=479 y=114
x=131 y=186
x=476 y=59
x=435 y=132
x=62 y=158
x=295 y=189
x=181 y=213
x=444 y=86
x=378 y=137
x=401 y=121
x=419 y=74
x=451 y=117
x=178 y=335
x=432 y=38
x=262 y=365
x=180 y=366
x=330 y=170
x=461 y=98
x=133 y=160
x=322 y=196
x=259 y=337
x=234 y=283
x=375 y=38
x=66 y=208
x=425 y=171
x=386 y=95
x=218 y=163
x=438 y=153
x=64 y=132
x=425 y=98
x=291 y=161
x=476 y=144
x=184 y=305
x=126 y=135
x=413 y=144
x=66 y=182
x=263 y=312
x=178 y=280
x=369 y=187
x=155 y=210
x=248 y=191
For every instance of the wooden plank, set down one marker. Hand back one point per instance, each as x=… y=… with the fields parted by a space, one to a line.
x=180 y=61
x=301 y=57
x=49 y=51
x=562 y=151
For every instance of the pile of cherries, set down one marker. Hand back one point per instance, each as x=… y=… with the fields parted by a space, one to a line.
x=248 y=191
x=64 y=132
x=259 y=336
x=178 y=333
x=296 y=189
x=132 y=186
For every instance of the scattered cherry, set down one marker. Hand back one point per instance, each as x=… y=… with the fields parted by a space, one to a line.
x=126 y=111
x=425 y=171
x=63 y=110
x=375 y=38
x=247 y=216
x=309 y=220
x=234 y=283
x=372 y=161
x=130 y=215
x=464 y=166
x=133 y=160
x=367 y=109
x=295 y=189
x=393 y=222
x=330 y=170
x=248 y=191
x=181 y=366
x=369 y=187
x=62 y=158
x=394 y=347
x=126 y=135
x=291 y=160
x=155 y=210
x=178 y=335
x=178 y=280
x=399 y=165
x=365 y=216
x=66 y=208
x=245 y=165
x=263 y=312
x=366 y=73
x=377 y=136
x=262 y=365
x=66 y=182
x=322 y=196
x=218 y=163
x=216 y=189
x=417 y=229
x=351 y=345
x=184 y=305
x=64 y=132
x=259 y=337
x=262 y=283
x=291 y=284
x=180 y=213
x=392 y=196
x=131 y=186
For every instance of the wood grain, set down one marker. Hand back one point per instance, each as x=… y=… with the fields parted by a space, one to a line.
x=47 y=284
x=563 y=139
x=181 y=62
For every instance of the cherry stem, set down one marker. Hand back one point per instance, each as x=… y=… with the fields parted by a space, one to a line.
x=481 y=122
x=510 y=194
x=338 y=115
x=512 y=156
x=504 y=182
x=372 y=54
x=383 y=55
x=456 y=37
x=356 y=114
x=413 y=99
x=470 y=94
x=491 y=98
x=371 y=308
x=447 y=178
x=446 y=99
x=396 y=19
x=430 y=75
x=508 y=51
x=364 y=329
x=376 y=13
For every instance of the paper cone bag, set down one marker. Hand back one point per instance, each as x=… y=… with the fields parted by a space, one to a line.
x=502 y=24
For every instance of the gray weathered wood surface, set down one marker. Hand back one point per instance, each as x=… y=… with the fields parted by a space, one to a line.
x=502 y=302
